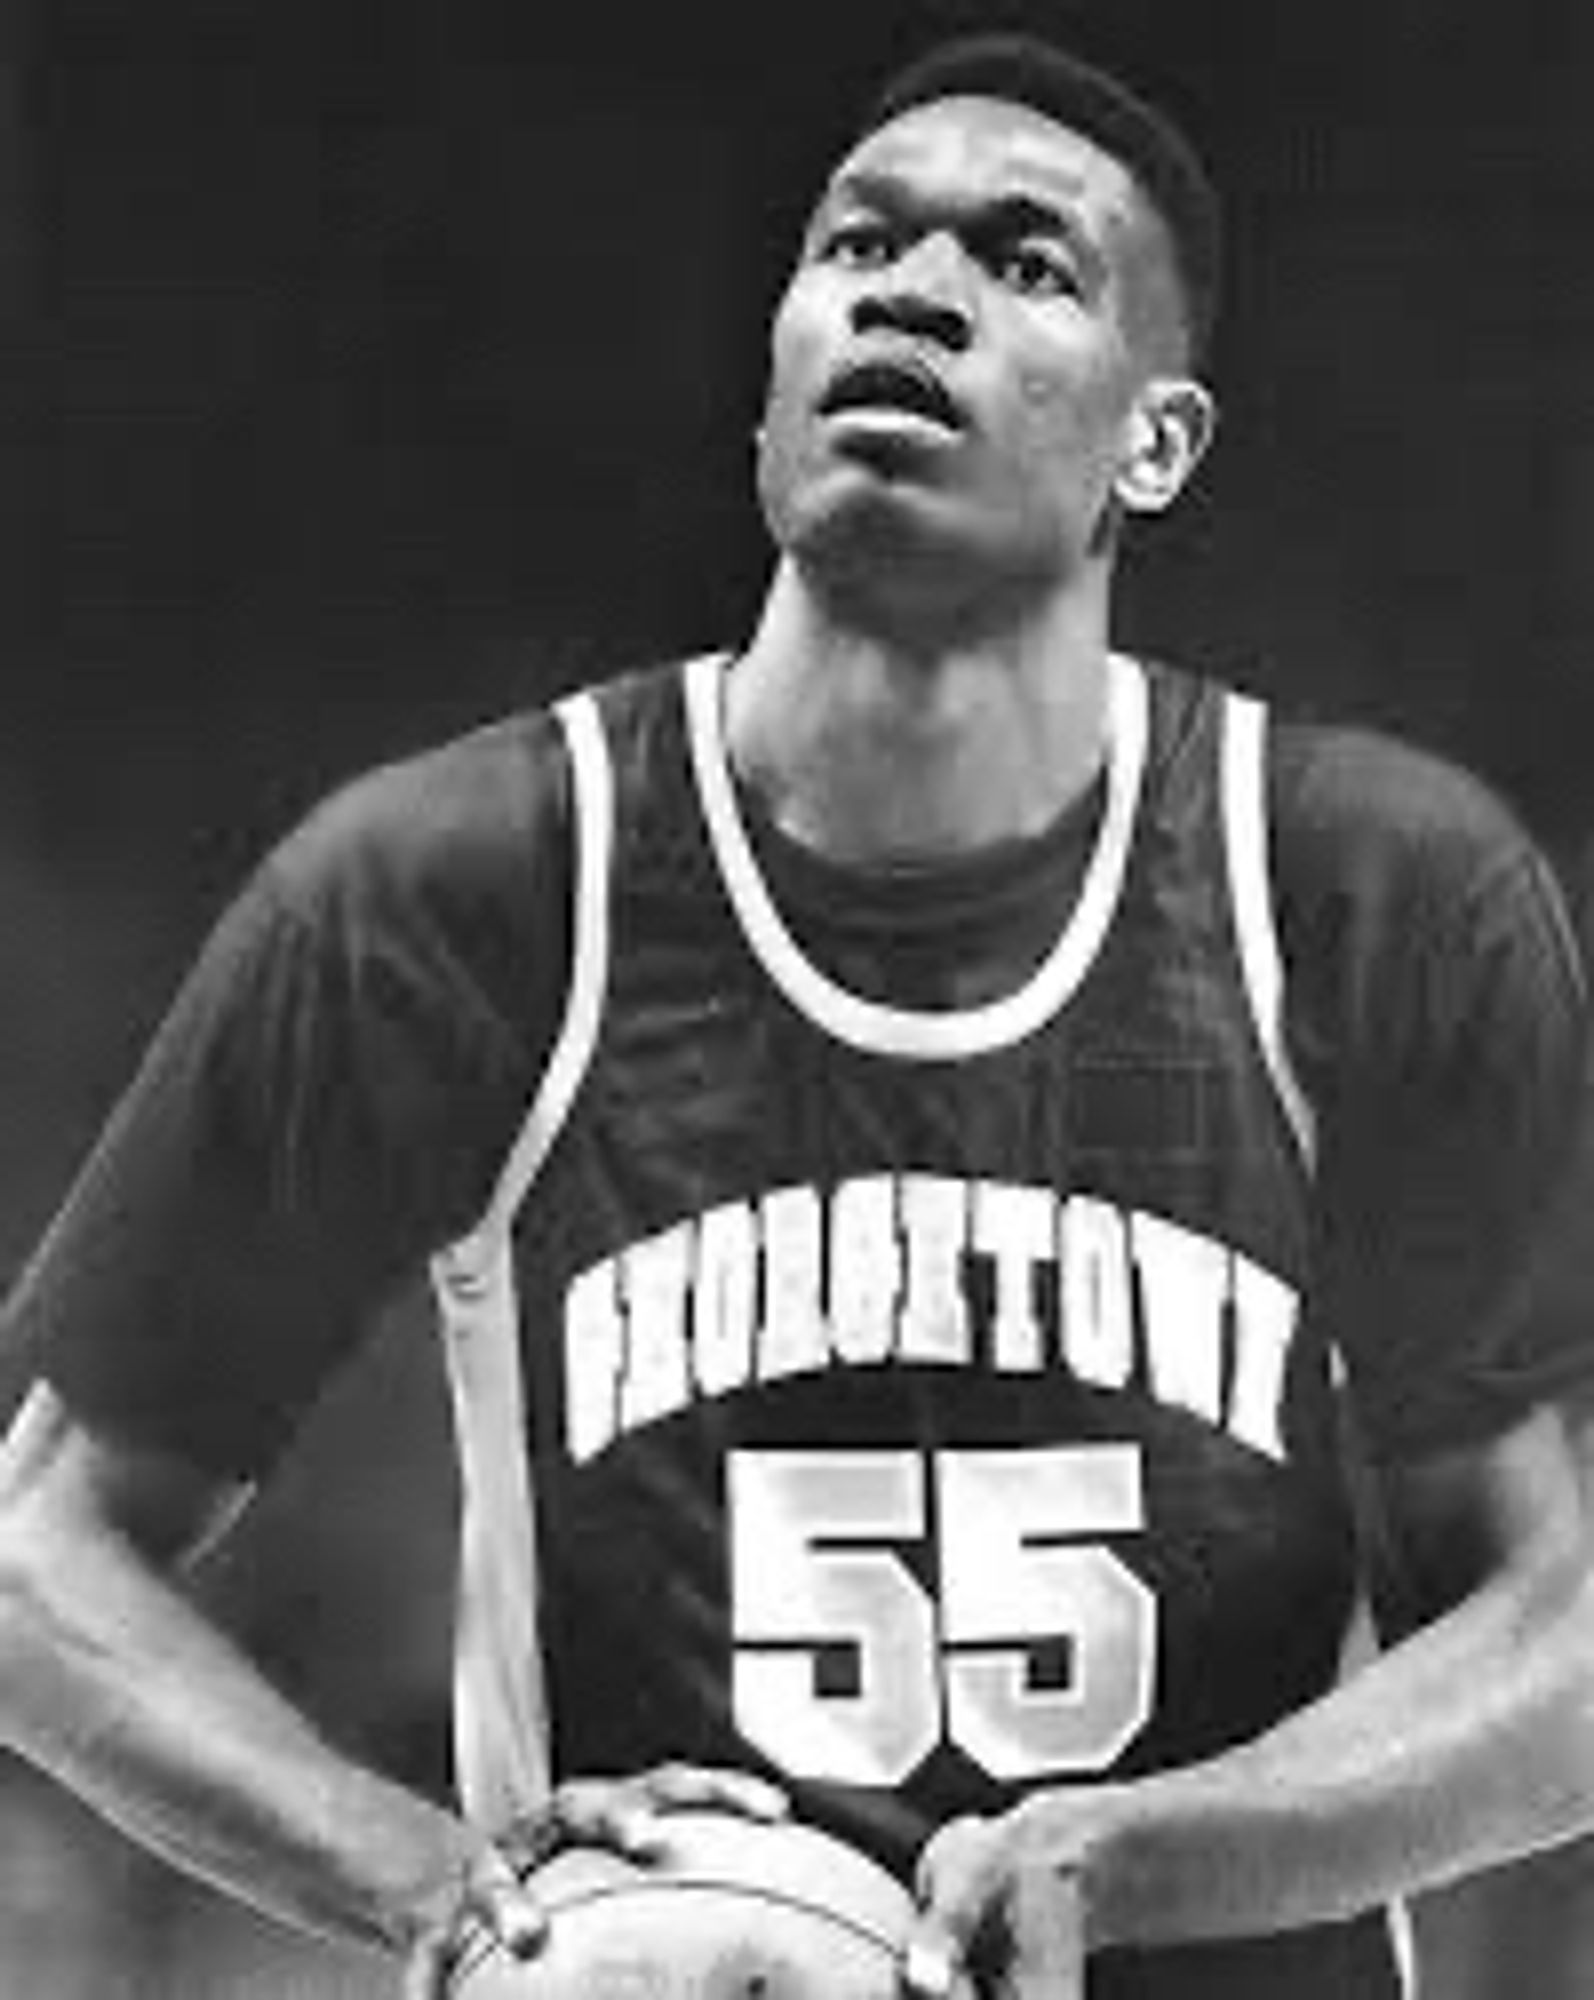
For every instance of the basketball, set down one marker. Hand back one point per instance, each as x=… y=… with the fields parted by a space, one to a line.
x=740 y=1910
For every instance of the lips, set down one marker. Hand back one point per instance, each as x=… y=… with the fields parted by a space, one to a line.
x=892 y=386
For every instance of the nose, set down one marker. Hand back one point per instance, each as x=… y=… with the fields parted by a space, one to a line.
x=922 y=293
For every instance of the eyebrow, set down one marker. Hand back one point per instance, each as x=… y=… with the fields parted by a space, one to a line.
x=1007 y=214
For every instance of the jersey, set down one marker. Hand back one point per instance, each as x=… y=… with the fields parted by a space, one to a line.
x=920 y=1403
x=900 y=1342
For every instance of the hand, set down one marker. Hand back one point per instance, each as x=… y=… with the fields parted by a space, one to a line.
x=1002 y=1900
x=629 y=1815
x=484 y=1904
x=492 y=1901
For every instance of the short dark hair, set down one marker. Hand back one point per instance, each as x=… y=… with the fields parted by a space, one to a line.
x=1025 y=69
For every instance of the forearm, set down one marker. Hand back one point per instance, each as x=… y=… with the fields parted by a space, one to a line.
x=1470 y=1744
x=111 y=1681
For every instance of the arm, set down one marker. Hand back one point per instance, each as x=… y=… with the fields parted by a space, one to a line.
x=1469 y=1743
x=113 y=1682
x=281 y=1159
x=110 y=1680
x=1438 y=1013
x=325 y=1104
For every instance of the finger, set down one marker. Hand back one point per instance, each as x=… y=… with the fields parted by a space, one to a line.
x=1047 y=1928
x=532 y=1837
x=951 y=1888
x=429 y=1969
x=637 y=1830
x=635 y=1817
x=949 y=1882
x=512 y=1916
x=931 y=1962
x=674 y=1786
x=619 y=1815
x=491 y=1911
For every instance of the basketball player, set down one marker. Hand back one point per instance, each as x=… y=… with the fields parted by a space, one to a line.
x=938 y=1146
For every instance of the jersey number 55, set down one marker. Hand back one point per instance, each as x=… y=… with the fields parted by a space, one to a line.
x=885 y=1602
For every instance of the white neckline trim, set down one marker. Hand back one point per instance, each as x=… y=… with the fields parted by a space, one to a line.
x=893 y=1031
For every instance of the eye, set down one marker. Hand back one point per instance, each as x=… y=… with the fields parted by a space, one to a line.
x=863 y=243
x=1036 y=267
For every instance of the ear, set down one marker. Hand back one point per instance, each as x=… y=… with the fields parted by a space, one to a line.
x=1169 y=429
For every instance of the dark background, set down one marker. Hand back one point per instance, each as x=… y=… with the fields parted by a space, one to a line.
x=379 y=367
x=370 y=369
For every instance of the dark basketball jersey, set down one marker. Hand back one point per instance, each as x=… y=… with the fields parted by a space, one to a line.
x=923 y=1404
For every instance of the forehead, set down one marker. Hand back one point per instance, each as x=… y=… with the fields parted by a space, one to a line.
x=976 y=149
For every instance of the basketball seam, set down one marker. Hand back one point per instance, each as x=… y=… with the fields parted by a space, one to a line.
x=600 y=1892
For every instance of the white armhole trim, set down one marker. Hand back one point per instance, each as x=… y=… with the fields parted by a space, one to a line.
x=1403 y=1943
x=501 y=1744
x=1245 y=830
x=1245 y=827
x=593 y=788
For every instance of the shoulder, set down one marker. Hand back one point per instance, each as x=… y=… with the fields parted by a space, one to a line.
x=1367 y=828
x=484 y=815
x=1413 y=903
x=1357 y=812
x=1361 y=797
x=470 y=817
x=418 y=914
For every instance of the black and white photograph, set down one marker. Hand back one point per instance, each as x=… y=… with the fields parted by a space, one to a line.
x=796 y=1110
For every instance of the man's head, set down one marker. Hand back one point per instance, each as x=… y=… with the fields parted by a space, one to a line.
x=984 y=355
x=1019 y=69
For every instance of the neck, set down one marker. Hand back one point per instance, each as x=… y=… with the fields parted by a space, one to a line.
x=877 y=752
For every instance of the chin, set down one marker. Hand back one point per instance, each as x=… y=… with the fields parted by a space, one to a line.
x=854 y=513
x=875 y=538
x=906 y=548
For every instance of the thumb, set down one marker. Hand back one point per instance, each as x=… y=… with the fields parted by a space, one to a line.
x=1046 y=1928
x=931 y=1960
x=492 y=1911
x=511 y=1914
x=952 y=1888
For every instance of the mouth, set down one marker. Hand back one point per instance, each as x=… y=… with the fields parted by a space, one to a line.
x=894 y=390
